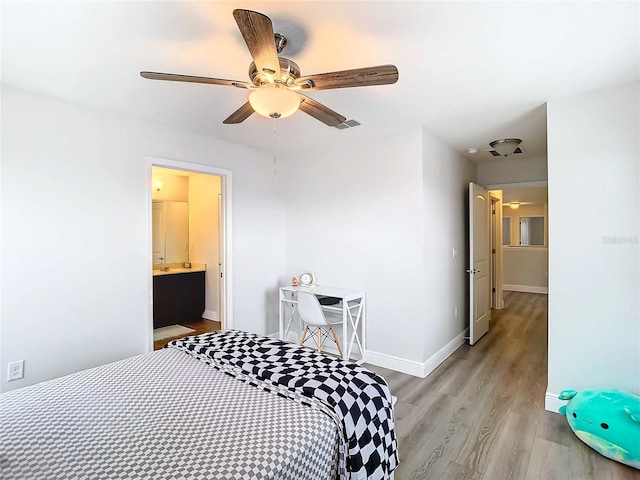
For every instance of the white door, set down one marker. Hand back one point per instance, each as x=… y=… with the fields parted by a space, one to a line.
x=480 y=262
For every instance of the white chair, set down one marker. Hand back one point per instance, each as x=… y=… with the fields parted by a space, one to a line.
x=312 y=315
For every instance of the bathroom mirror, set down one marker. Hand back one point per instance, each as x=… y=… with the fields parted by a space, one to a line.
x=170 y=232
x=506 y=230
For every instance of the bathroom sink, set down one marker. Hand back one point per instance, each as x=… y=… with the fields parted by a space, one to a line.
x=174 y=270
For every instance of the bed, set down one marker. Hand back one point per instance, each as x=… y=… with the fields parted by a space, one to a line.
x=224 y=405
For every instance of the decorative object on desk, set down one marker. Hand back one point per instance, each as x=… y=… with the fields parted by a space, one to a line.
x=606 y=419
x=307 y=279
x=294 y=281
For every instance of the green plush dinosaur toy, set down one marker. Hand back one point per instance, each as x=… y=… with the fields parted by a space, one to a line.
x=606 y=419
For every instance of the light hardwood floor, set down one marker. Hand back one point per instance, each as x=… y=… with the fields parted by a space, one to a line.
x=480 y=415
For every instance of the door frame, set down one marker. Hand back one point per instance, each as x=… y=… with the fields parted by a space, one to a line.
x=497 y=302
x=226 y=235
x=506 y=186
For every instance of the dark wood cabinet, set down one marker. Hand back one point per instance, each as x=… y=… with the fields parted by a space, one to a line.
x=177 y=298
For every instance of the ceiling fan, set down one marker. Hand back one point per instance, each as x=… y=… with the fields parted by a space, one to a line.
x=276 y=82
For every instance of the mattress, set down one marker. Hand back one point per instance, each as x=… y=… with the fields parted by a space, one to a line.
x=161 y=415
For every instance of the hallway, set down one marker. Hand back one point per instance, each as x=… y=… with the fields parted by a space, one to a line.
x=480 y=415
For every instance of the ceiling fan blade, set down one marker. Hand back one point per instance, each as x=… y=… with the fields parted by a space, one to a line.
x=190 y=78
x=357 y=77
x=257 y=31
x=320 y=112
x=239 y=115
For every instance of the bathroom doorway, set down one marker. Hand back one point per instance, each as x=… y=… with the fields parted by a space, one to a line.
x=189 y=224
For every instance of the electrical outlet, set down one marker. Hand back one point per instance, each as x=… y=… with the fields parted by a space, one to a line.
x=455 y=312
x=454 y=253
x=15 y=370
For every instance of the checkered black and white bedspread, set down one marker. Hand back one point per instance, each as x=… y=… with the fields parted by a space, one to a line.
x=161 y=415
x=356 y=398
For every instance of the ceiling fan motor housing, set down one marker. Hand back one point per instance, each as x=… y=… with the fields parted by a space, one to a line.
x=289 y=72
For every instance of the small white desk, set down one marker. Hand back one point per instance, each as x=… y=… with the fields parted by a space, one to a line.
x=351 y=307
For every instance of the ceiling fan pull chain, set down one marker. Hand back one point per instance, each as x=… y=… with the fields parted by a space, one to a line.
x=275 y=143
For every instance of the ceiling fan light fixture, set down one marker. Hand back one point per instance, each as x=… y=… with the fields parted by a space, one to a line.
x=506 y=146
x=274 y=101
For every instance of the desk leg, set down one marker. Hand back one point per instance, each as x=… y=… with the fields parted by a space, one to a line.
x=363 y=322
x=280 y=315
x=345 y=346
x=283 y=331
x=285 y=336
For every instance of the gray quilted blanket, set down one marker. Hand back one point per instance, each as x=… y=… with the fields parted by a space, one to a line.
x=161 y=415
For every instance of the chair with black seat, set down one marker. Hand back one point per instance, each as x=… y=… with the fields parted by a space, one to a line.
x=313 y=317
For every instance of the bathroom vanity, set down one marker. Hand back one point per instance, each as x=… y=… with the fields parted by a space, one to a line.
x=178 y=296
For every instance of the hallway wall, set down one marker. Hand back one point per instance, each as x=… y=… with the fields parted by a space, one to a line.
x=594 y=254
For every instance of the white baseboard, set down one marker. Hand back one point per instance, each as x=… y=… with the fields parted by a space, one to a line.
x=525 y=288
x=412 y=367
x=210 y=315
x=445 y=352
x=552 y=403
x=403 y=365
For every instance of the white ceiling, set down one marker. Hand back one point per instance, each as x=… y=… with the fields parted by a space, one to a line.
x=470 y=72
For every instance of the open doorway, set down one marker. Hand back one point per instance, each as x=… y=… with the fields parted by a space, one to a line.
x=189 y=220
x=525 y=241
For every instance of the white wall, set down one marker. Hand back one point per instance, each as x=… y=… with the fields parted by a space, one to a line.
x=525 y=269
x=354 y=219
x=594 y=155
x=446 y=176
x=174 y=187
x=512 y=170
x=204 y=235
x=384 y=216
x=76 y=232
